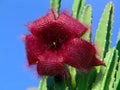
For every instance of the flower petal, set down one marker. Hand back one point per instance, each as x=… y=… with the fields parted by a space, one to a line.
x=80 y=54
x=64 y=22
x=51 y=64
x=71 y=24
x=41 y=23
x=34 y=48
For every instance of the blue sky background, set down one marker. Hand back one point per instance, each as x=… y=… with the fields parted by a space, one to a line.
x=14 y=15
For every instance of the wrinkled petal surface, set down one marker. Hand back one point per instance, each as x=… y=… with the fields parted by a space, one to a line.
x=34 y=48
x=38 y=25
x=80 y=54
x=63 y=22
x=71 y=24
x=51 y=64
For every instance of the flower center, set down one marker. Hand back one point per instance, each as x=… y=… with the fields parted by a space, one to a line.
x=54 y=45
x=54 y=36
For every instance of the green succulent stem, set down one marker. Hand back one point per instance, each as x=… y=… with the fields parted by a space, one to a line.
x=55 y=5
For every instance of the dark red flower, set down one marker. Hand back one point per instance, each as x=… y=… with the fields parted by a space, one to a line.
x=55 y=42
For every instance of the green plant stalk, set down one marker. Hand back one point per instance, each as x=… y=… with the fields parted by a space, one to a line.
x=109 y=80
x=60 y=85
x=55 y=5
x=43 y=84
x=72 y=72
x=103 y=34
x=82 y=80
x=118 y=45
x=117 y=80
x=117 y=77
x=86 y=19
x=50 y=83
x=77 y=8
x=112 y=72
x=101 y=76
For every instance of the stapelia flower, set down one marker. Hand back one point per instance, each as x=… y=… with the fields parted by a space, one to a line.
x=55 y=42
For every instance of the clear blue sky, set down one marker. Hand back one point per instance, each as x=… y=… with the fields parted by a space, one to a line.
x=14 y=15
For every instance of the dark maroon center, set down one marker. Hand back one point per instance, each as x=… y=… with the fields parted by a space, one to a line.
x=54 y=35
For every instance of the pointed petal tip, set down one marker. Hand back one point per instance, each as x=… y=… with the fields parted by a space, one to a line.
x=99 y=62
x=102 y=63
